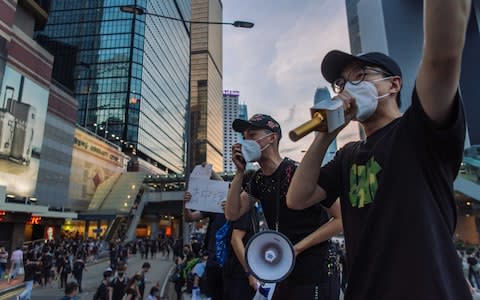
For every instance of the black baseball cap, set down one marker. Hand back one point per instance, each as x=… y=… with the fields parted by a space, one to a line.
x=258 y=121
x=335 y=61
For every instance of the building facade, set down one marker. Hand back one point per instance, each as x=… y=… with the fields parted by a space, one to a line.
x=29 y=103
x=130 y=73
x=206 y=123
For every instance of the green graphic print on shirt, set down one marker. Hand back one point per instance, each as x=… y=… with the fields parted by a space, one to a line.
x=363 y=183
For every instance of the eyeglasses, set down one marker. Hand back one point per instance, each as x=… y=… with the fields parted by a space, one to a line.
x=355 y=77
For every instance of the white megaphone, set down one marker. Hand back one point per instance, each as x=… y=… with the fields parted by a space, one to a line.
x=270 y=256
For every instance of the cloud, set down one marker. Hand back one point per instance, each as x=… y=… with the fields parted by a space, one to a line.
x=276 y=64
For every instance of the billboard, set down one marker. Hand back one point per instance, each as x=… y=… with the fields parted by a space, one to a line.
x=95 y=163
x=23 y=109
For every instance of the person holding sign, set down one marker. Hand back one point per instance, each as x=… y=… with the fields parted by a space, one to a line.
x=213 y=270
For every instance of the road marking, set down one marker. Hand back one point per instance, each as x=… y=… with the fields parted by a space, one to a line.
x=165 y=282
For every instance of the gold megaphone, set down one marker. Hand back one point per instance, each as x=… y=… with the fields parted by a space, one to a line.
x=326 y=117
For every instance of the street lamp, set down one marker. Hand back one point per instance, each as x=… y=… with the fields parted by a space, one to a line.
x=140 y=11
x=133 y=9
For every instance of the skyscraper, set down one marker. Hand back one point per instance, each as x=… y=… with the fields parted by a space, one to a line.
x=395 y=28
x=206 y=85
x=232 y=110
x=131 y=73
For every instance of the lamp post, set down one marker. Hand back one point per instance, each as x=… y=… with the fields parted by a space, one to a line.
x=134 y=9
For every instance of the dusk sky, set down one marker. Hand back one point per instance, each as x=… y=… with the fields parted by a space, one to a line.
x=276 y=65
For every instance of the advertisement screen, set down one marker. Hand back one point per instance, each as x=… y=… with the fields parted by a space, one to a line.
x=23 y=109
x=94 y=164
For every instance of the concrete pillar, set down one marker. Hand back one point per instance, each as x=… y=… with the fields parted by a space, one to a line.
x=17 y=235
x=154 y=230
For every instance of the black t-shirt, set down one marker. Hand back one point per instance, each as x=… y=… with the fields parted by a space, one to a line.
x=398 y=208
x=233 y=268
x=102 y=292
x=295 y=224
x=215 y=221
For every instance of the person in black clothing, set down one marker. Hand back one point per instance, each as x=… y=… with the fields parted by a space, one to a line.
x=30 y=269
x=214 y=273
x=119 y=283
x=47 y=264
x=309 y=230
x=78 y=268
x=65 y=269
x=239 y=283
x=104 y=290
x=141 y=279
x=396 y=187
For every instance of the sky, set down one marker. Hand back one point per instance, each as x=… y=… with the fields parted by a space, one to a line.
x=276 y=65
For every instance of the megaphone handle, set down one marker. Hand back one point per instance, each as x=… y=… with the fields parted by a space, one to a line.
x=306 y=127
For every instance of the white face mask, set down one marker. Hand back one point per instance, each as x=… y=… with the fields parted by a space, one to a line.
x=366 y=97
x=251 y=150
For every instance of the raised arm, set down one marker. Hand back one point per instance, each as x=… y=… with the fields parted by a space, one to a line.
x=324 y=232
x=304 y=190
x=237 y=200
x=445 y=24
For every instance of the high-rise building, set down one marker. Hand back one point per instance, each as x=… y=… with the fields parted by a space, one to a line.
x=130 y=73
x=206 y=121
x=395 y=27
x=232 y=110
x=242 y=112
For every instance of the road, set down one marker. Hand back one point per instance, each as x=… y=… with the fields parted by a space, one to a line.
x=93 y=277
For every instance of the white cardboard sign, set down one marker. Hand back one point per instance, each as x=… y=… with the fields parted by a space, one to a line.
x=207 y=194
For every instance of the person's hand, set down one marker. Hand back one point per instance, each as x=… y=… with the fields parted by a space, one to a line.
x=253 y=282
x=187 y=197
x=237 y=157
x=296 y=250
x=350 y=111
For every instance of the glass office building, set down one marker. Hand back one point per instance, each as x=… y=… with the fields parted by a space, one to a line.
x=130 y=73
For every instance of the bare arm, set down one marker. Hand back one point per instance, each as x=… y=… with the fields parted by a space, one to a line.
x=239 y=249
x=238 y=202
x=304 y=190
x=324 y=232
x=445 y=24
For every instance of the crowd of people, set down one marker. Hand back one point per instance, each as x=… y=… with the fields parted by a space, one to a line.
x=61 y=264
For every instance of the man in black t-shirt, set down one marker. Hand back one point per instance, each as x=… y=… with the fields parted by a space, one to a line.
x=396 y=187
x=239 y=283
x=309 y=230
